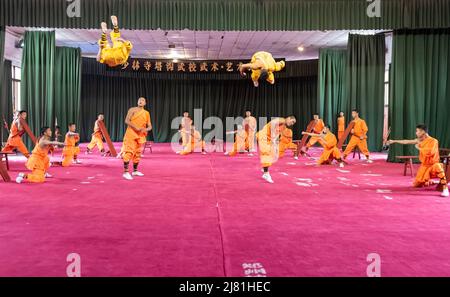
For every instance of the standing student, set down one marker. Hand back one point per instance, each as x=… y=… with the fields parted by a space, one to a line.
x=15 y=136
x=341 y=125
x=317 y=130
x=359 y=137
x=97 y=137
x=71 y=150
x=250 y=125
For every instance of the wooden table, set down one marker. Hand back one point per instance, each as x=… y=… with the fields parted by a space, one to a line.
x=408 y=161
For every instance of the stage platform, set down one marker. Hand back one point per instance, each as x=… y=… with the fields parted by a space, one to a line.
x=213 y=215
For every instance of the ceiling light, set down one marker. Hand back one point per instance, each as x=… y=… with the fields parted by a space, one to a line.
x=301 y=48
x=175 y=60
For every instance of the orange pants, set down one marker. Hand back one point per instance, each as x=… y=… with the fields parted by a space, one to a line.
x=283 y=147
x=250 y=140
x=38 y=167
x=340 y=134
x=312 y=141
x=16 y=143
x=267 y=152
x=69 y=153
x=96 y=140
x=191 y=148
x=329 y=155
x=132 y=150
x=427 y=172
x=356 y=142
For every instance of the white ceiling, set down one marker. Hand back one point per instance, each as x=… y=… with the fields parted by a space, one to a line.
x=198 y=45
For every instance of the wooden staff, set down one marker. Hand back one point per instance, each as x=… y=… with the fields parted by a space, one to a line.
x=4 y=172
x=112 y=149
x=27 y=129
x=302 y=144
x=346 y=134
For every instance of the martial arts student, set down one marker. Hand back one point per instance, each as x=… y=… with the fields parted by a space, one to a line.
x=341 y=125
x=71 y=151
x=262 y=66
x=240 y=141
x=39 y=162
x=286 y=143
x=196 y=143
x=268 y=138
x=318 y=128
x=15 y=136
x=430 y=161
x=138 y=125
x=119 y=52
x=250 y=125
x=330 y=151
x=359 y=137
x=97 y=137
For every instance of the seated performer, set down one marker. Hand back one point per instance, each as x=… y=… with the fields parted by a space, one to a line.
x=268 y=142
x=429 y=157
x=71 y=151
x=262 y=66
x=359 y=137
x=185 y=130
x=97 y=137
x=196 y=143
x=15 y=137
x=286 y=143
x=120 y=51
x=240 y=143
x=330 y=151
x=341 y=125
x=318 y=128
x=249 y=124
x=139 y=124
x=39 y=162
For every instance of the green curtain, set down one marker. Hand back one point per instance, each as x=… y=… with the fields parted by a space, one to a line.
x=168 y=98
x=67 y=86
x=332 y=85
x=420 y=87
x=365 y=83
x=6 y=107
x=222 y=15
x=37 y=85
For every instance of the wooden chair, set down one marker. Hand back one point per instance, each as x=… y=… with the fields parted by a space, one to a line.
x=408 y=163
x=445 y=159
x=4 y=166
x=148 y=145
x=355 y=151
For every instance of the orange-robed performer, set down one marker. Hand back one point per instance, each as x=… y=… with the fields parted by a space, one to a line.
x=39 y=162
x=97 y=137
x=263 y=66
x=15 y=136
x=317 y=130
x=359 y=137
x=250 y=126
x=341 y=125
x=185 y=130
x=429 y=157
x=120 y=51
x=71 y=151
x=330 y=151
x=286 y=143
x=240 y=141
x=268 y=145
x=139 y=124
x=196 y=143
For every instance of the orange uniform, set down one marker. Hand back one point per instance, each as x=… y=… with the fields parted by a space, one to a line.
x=240 y=142
x=250 y=129
x=341 y=127
x=286 y=142
x=359 y=131
x=330 y=150
x=196 y=143
x=70 y=150
x=267 y=138
x=317 y=130
x=15 y=141
x=38 y=163
x=431 y=166
x=133 y=140
x=118 y=53
x=97 y=138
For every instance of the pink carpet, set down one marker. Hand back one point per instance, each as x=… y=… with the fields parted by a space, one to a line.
x=214 y=216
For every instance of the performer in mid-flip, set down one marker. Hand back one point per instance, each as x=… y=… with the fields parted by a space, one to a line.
x=139 y=124
x=119 y=52
x=263 y=66
x=97 y=137
x=429 y=157
x=39 y=162
x=330 y=151
x=15 y=136
x=268 y=138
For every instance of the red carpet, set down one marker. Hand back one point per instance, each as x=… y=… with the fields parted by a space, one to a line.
x=212 y=215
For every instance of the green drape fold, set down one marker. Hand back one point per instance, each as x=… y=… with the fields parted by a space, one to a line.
x=239 y=15
x=420 y=87
x=167 y=99
x=37 y=85
x=6 y=107
x=365 y=83
x=332 y=85
x=67 y=86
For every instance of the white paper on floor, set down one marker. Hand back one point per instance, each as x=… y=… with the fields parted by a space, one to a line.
x=284 y=173
x=291 y=163
x=367 y=174
x=342 y=178
x=302 y=184
x=343 y=171
x=380 y=191
x=91 y=177
x=305 y=179
x=85 y=182
x=387 y=197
